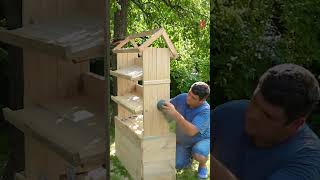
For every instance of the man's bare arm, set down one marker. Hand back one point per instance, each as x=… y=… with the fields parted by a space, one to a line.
x=189 y=128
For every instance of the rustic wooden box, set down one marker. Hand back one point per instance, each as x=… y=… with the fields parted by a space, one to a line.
x=144 y=144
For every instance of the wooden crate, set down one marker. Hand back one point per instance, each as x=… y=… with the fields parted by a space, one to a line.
x=143 y=141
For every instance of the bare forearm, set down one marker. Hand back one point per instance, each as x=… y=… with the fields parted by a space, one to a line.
x=221 y=172
x=186 y=125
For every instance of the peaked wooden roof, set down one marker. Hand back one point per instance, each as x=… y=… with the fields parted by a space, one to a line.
x=155 y=34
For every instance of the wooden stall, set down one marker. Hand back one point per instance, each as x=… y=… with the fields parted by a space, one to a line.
x=63 y=116
x=144 y=144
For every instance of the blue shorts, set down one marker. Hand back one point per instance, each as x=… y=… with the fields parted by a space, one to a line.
x=184 y=154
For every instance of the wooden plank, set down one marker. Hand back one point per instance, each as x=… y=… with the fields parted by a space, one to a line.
x=154 y=37
x=133 y=73
x=154 y=123
x=119 y=46
x=134 y=43
x=131 y=102
x=139 y=90
x=161 y=166
x=145 y=33
x=40 y=81
x=125 y=86
x=128 y=149
x=126 y=50
x=156 y=82
x=138 y=61
x=169 y=44
x=163 y=146
x=94 y=87
x=163 y=63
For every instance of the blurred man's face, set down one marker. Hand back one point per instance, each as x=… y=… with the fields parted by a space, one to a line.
x=193 y=100
x=266 y=124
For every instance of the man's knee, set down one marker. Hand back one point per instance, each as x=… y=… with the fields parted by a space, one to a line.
x=201 y=148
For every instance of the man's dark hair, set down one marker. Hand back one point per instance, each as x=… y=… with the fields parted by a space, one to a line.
x=291 y=87
x=200 y=89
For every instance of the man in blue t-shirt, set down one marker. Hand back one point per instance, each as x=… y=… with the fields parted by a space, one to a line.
x=192 y=115
x=267 y=138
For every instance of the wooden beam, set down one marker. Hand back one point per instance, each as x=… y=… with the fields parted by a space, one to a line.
x=156 y=82
x=169 y=44
x=122 y=43
x=142 y=34
x=154 y=37
x=134 y=43
x=126 y=50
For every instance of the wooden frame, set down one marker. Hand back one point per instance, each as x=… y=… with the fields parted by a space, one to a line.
x=155 y=34
x=141 y=129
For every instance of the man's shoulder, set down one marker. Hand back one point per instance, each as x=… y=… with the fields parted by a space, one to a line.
x=180 y=97
x=231 y=107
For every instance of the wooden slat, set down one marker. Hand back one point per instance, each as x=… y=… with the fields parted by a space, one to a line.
x=134 y=43
x=94 y=87
x=154 y=37
x=138 y=61
x=131 y=102
x=139 y=90
x=132 y=73
x=142 y=34
x=154 y=121
x=126 y=50
x=169 y=44
x=128 y=149
x=122 y=43
x=156 y=82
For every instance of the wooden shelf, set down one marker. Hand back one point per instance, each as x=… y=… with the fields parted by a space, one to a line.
x=131 y=102
x=132 y=73
x=75 y=38
x=73 y=128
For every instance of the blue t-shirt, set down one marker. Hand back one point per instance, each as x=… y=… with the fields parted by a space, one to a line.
x=298 y=158
x=199 y=116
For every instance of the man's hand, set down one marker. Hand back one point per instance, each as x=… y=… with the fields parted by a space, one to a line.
x=169 y=109
x=189 y=128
